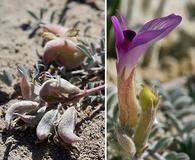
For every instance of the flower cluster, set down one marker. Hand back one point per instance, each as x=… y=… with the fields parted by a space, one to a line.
x=49 y=106
x=43 y=107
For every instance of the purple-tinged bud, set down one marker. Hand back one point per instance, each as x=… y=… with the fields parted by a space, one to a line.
x=67 y=125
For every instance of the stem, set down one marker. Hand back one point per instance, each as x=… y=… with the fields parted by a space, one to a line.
x=93 y=90
x=85 y=93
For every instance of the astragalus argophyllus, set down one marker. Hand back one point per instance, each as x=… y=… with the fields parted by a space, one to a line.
x=130 y=46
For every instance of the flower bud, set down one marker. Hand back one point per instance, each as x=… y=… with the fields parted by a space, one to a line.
x=19 y=107
x=67 y=125
x=149 y=102
x=27 y=88
x=148 y=98
x=55 y=89
x=63 y=51
x=46 y=125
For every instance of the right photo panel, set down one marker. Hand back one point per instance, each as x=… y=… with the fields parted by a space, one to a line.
x=150 y=80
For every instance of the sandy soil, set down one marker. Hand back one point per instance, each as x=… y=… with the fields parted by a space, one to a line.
x=17 y=47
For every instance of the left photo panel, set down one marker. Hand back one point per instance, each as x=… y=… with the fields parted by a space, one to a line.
x=52 y=80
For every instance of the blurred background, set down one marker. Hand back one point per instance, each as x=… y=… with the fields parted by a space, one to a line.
x=170 y=66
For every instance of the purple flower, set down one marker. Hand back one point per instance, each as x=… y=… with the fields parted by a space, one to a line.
x=130 y=46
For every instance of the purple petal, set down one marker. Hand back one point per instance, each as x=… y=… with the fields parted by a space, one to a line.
x=123 y=21
x=118 y=30
x=124 y=37
x=150 y=33
x=155 y=30
x=160 y=23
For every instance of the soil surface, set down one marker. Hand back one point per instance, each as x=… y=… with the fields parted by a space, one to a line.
x=19 y=45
